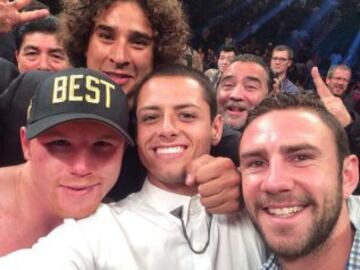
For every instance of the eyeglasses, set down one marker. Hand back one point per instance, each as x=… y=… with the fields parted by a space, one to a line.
x=178 y=212
x=281 y=59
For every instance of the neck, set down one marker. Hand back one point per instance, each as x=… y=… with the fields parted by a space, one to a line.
x=282 y=76
x=331 y=255
x=178 y=188
x=32 y=204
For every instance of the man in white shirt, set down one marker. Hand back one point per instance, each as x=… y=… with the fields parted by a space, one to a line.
x=164 y=225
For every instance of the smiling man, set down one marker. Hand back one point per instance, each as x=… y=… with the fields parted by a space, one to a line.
x=38 y=46
x=74 y=141
x=297 y=174
x=176 y=122
x=124 y=39
x=243 y=85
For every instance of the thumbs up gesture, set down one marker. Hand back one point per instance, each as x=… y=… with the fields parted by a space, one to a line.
x=10 y=15
x=333 y=104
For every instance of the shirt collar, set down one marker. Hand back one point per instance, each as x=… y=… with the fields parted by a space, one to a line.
x=162 y=200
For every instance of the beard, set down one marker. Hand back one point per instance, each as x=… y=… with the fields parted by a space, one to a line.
x=320 y=228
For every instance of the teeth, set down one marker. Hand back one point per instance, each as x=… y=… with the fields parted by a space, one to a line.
x=170 y=150
x=285 y=211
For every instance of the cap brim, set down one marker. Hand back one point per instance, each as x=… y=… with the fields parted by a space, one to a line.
x=42 y=125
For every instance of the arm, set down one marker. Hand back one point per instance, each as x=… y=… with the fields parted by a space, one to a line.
x=63 y=249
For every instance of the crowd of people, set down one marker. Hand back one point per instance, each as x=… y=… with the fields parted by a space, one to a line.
x=120 y=151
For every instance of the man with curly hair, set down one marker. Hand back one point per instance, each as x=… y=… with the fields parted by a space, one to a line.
x=124 y=39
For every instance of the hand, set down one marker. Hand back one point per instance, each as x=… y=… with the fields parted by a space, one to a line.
x=333 y=104
x=10 y=15
x=218 y=183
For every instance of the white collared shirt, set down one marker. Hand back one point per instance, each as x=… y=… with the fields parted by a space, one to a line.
x=140 y=233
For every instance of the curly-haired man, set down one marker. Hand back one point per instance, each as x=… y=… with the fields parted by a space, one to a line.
x=124 y=39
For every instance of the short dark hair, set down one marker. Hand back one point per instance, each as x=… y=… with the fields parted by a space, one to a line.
x=228 y=48
x=252 y=58
x=48 y=25
x=309 y=102
x=35 y=5
x=182 y=71
x=284 y=48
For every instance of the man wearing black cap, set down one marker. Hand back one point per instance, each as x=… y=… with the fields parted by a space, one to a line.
x=74 y=142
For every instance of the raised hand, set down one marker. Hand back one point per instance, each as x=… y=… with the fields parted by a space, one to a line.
x=333 y=104
x=11 y=16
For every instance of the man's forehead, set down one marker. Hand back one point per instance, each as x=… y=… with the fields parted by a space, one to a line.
x=244 y=69
x=284 y=127
x=281 y=52
x=160 y=89
x=227 y=53
x=342 y=72
x=290 y=121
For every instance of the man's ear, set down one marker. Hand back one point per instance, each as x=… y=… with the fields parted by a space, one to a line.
x=24 y=143
x=350 y=174
x=327 y=80
x=216 y=129
x=289 y=64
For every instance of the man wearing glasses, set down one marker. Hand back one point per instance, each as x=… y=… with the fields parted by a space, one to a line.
x=281 y=60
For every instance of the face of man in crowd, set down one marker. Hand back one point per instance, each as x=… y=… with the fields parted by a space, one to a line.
x=41 y=51
x=242 y=87
x=291 y=182
x=339 y=81
x=280 y=62
x=225 y=59
x=121 y=44
x=173 y=128
x=81 y=167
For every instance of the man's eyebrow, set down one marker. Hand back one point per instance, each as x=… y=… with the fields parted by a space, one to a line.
x=134 y=33
x=141 y=35
x=252 y=78
x=104 y=27
x=299 y=147
x=227 y=78
x=186 y=105
x=253 y=153
x=177 y=107
x=286 y=149
x=55 y=50
x=30 y=47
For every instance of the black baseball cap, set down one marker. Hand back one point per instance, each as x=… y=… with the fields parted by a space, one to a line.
x=75 y=94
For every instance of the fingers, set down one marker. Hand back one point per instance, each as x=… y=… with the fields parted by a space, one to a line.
x=19 y=4
x=218 y=183
x=227 y=201
x=194 y=166
x=321 y=88
x=32 y=15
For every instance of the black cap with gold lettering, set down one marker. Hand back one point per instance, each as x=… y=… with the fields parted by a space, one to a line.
x=75 y=94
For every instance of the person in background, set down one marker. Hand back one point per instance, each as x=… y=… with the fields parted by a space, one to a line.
x=280 y=61
x=227 y=53
x=38 y=46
